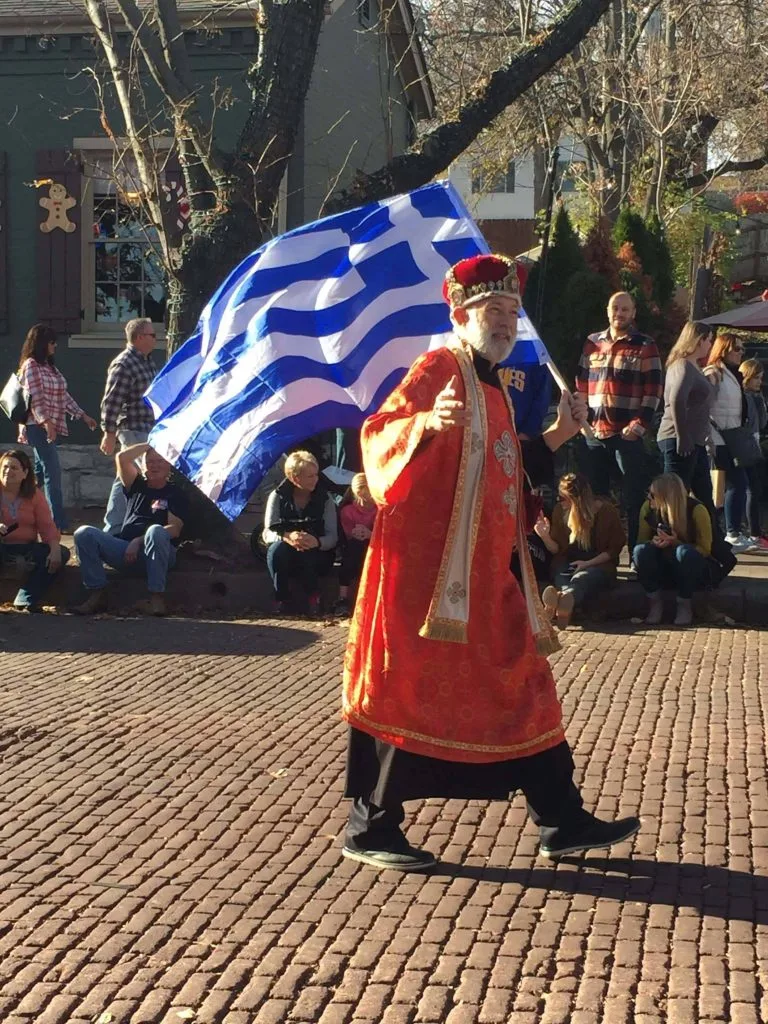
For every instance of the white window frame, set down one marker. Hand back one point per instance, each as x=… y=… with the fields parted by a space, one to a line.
x=95 y=334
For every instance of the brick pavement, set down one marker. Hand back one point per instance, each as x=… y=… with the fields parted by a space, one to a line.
x=169 y=840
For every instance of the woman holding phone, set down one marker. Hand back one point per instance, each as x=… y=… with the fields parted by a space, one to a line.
x=586 y=537
x=28 y=535
x=674 y=547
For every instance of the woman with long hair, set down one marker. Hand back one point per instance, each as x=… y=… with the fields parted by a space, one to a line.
x=728 y=410
x=674 y=547
x=50 y=404
x=684 y=429
x=586 y=537
x=29 y=539
x=752 y=372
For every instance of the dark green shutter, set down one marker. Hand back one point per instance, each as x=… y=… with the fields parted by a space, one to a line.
x=59 y=254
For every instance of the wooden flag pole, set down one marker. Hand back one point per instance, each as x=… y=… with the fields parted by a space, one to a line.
x=558 y=378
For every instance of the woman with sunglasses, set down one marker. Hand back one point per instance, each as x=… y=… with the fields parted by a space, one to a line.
x=684 y=428
x=728 y=410
x=50 y=404
x=586 y=537
x=674 y=548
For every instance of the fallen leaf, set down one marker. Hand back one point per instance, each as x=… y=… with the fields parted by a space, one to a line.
x=186 y=1013
x=278 y=773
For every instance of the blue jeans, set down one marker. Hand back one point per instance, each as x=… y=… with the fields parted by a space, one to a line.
x=39 y=579
x=693 y=470
x=95 y=547
x=683 y=569
x=735 y=489
x=117 y=502
x=585 y=583
x=632 y=461
x=48 y=471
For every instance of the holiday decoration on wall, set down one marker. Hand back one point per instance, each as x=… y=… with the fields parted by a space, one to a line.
x=57 y=203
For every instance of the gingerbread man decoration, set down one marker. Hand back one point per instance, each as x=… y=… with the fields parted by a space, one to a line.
x=57 y=204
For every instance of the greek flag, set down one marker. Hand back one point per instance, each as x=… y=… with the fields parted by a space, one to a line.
x=310 y=332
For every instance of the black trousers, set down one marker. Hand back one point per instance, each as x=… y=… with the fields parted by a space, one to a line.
x=546 y=779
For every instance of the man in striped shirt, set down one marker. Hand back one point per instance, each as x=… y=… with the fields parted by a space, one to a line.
x=620 y=376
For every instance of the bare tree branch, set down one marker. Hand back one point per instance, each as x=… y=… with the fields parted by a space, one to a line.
x=728 y=167
x=502 y=88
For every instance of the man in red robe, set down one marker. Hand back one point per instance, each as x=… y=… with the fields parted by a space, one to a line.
x=447 y=689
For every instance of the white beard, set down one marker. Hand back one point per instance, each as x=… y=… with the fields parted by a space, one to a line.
x=494 y=351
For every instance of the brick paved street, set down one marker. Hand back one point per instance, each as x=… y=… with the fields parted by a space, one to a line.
x=169 y=840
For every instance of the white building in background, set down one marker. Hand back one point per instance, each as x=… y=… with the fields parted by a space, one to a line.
x=505 y=205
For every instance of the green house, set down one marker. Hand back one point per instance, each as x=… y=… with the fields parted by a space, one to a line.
x=73 y=252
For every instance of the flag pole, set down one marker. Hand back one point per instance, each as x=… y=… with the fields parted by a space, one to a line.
x=559 y=379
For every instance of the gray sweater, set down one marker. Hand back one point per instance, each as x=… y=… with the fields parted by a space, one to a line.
x=687 y=399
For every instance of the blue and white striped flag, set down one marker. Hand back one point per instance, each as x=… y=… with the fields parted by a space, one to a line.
x=310 y=332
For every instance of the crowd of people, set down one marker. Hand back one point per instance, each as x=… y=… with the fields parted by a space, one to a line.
x=681 y=530
x=145 y=511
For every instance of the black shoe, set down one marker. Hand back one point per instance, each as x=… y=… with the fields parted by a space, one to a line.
x=407 y=859
x=342 y=609
x=592 y=835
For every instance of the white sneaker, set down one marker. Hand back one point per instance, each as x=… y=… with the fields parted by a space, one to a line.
x=737 y=541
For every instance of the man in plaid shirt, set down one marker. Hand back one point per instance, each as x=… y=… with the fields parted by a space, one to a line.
x=620 y=376
x=125 y=416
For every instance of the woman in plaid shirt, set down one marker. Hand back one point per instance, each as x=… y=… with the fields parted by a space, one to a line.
x=50 y=403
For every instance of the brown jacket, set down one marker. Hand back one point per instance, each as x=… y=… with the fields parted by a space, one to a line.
x=607 y=533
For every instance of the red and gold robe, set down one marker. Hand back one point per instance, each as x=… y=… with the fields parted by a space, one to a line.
x=492 y=697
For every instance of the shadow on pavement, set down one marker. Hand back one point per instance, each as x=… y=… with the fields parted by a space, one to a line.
x=712 y=891
x=59 y=633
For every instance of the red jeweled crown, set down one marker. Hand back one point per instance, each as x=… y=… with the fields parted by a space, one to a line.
x=480 y=277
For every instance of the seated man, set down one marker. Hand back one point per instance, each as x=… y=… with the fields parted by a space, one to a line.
x=147 y=540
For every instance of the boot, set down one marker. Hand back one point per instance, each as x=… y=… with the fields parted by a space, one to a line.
x=549 y=599
x=153 y=605
x=95 y=602
x=565 y=609
x=684 y=615
x=655 y=610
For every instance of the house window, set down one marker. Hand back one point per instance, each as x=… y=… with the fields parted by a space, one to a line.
x=364 y=12
x=123 y=275
x=484 y=183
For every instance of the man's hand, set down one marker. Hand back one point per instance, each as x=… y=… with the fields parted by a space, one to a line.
x=50 y=431
x=53 y=561
x=108 y=443
x=447 y=412
x=579 y=408
x=132 y=551
x=90 y=422
x=630 y=435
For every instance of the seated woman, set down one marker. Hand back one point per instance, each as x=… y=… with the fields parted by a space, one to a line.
x=586 y=537
x=24 y=517
x=300 y=532
x=674 y=547
x=357 y=515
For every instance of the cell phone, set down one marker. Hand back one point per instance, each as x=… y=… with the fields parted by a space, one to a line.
x=664 y=528
x=10 y=529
